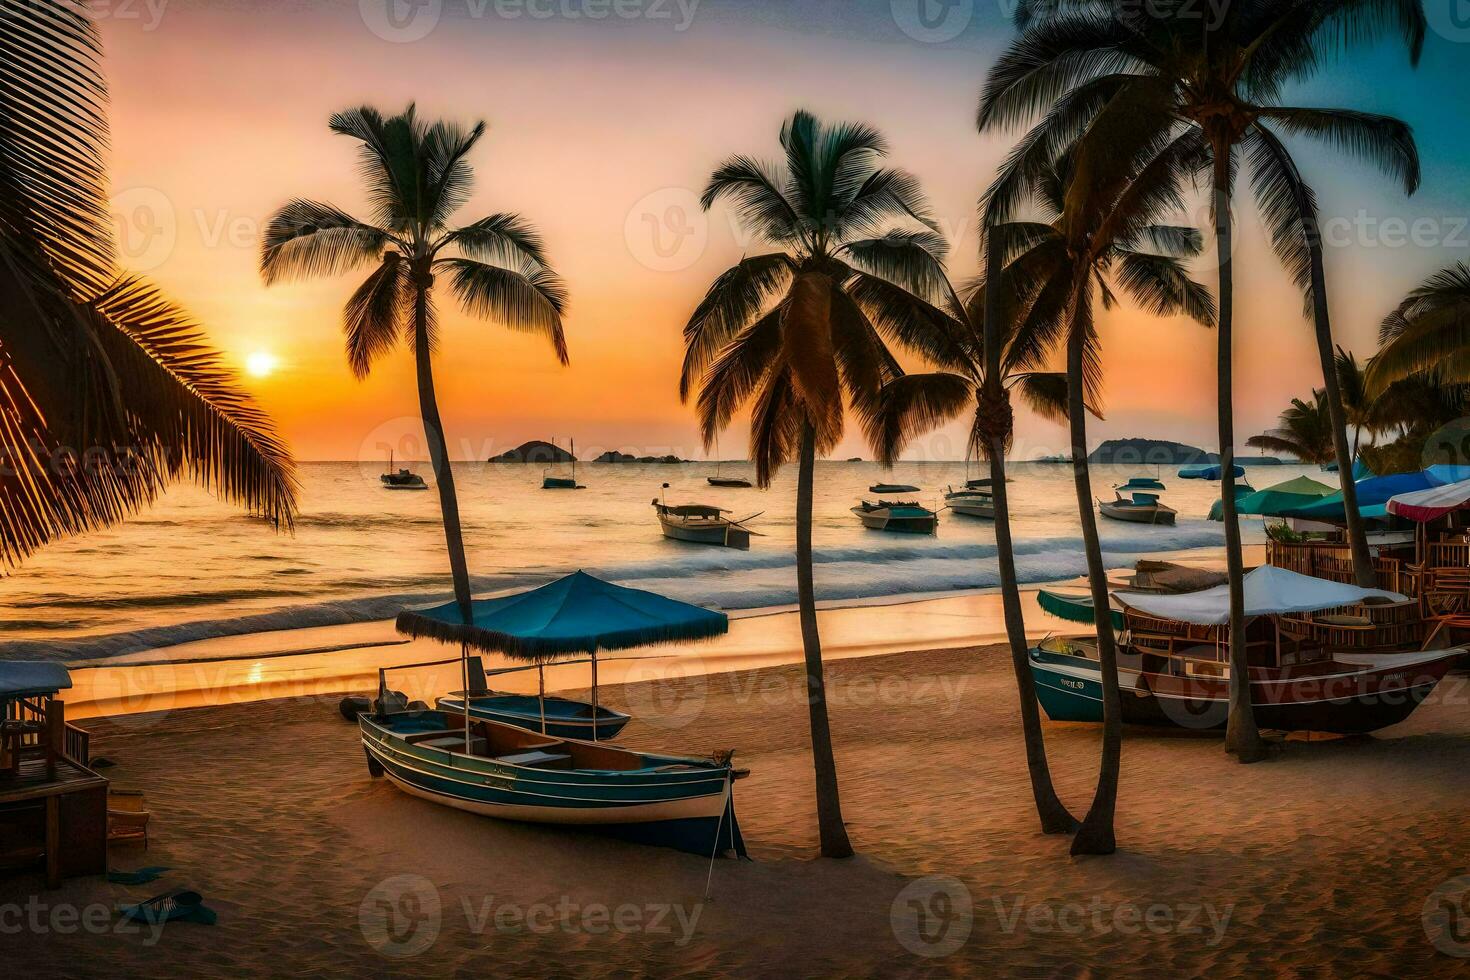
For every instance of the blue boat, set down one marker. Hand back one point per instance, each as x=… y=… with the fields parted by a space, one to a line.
x=1140 y=483
x=508 y=772
x=562 y=717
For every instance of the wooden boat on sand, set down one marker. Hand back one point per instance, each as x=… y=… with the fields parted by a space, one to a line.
x=557 y=717
x=503 y=771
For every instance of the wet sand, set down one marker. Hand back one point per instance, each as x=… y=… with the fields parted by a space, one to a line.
x=1320 y=861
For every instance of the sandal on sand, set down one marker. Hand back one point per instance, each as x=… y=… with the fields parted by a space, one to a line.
x=175 y=906
x=140 y=877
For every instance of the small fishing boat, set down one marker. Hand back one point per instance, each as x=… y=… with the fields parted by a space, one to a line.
x=975 y=499
x=504 y=771
x=402 y=479
x=892 y=488
x=1174 y=671
x=729 y=482
x=550 y=482
x=1140 y=483
x=902 y=517
x=703 y=524
x=1141 y=508
x=558 y=717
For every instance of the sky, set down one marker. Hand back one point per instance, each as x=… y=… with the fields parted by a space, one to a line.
x=605 y=119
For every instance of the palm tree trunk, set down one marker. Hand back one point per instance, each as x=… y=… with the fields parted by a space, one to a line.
x=832 y=830
x=1242 y=738
x=1095 y=836
x=439 y=452
x=1363 y=572
x=1055 y=818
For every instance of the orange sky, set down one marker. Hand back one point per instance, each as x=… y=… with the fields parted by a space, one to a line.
x=598 y=132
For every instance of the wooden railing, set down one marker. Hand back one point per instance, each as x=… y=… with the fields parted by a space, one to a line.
x=1447 y=554
x=76 y=743
x=1333 y=561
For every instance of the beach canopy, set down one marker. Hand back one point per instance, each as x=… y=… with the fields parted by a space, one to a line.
x=576 y=614
x=1429 y=504
x=1269 y=591
x=30 y=678
x=1373 y=494
x=1142 y=483
x=1208 y=471
x=1275 y=501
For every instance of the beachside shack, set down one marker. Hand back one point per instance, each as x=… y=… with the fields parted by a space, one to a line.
x=53 y=808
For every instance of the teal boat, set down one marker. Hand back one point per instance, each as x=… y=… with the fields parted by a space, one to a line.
x=502 y=771
x=549 y=482
x=1075 y=607
x=1141 y=483
x=559 y=717
x=905 y=518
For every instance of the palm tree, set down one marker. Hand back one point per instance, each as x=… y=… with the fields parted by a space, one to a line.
x=1305 y=431
x=1222 y=77
x=418 y=176
x=796 y=334
x=108 y=391
x=1427 y=334
x=988 y=349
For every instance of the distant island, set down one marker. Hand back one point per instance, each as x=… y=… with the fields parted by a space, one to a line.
x=1160 y=452
x=534 y=451
x=613 y=456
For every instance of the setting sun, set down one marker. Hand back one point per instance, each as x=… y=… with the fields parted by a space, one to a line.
x=261 y=364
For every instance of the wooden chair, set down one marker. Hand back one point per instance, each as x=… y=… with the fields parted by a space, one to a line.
x=127 y=816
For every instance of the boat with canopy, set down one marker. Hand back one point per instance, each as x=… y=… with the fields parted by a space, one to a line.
x=703 y=524
x=402 y=478
x=474 y=755
x=1318 y=660
x=902 y=517
x=1140 y=508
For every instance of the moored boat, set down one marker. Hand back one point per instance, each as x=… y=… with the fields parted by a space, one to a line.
x=729 y=482
x=1141 y=508
x=402 y=479
x=549 y=481
x=975 y=499
x=503 y=771
x=703 y=524
x=892 y=488
x=906 y=518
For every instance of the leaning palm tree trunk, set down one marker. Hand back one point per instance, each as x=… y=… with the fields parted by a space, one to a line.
x=830 y=826
x=1055 y=818
x=1095 y=836
x=1241 y=735
x=1357 y=536
x=439 y=453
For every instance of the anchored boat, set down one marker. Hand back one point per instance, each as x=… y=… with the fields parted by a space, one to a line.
x=975 y=499
x=1141 y=508
x=552 y=482
x=403 y=479
x=892 y=488
x=704 y=524
x=907 y=518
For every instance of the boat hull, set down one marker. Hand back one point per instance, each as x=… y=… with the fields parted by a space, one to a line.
x=558 y=483
x=719 y=536
x=1138 y=515
x=729 y=483
x=981 y=509
x=670 y=801
x=882 y=519
x=565 y=718
x=1382 y=692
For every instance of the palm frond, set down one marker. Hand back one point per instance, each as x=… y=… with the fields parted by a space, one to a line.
x=910 y=259
x=378 y=314
x=761 y=206
x=735 y=374
x=502 y=239
x=528 y=300
x=735 y=299
x=1163 y=287
x=306 y=239
x=1383 y=141
x=912 y=405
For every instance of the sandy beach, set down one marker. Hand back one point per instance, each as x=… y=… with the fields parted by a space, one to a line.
x=1319 y=861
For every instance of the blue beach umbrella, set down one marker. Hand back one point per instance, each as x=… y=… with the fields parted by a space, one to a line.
x=576 y=614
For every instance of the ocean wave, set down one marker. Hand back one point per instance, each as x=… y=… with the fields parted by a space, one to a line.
x=716 y=577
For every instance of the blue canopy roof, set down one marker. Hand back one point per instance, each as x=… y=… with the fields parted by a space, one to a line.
x=576 y=614
x=1142 y=483
x=1373 y=495
x=28 y=678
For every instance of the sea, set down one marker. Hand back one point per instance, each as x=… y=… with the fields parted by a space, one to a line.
x=193 y=568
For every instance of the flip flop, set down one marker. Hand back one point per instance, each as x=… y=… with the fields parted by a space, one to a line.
x=175 y=906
